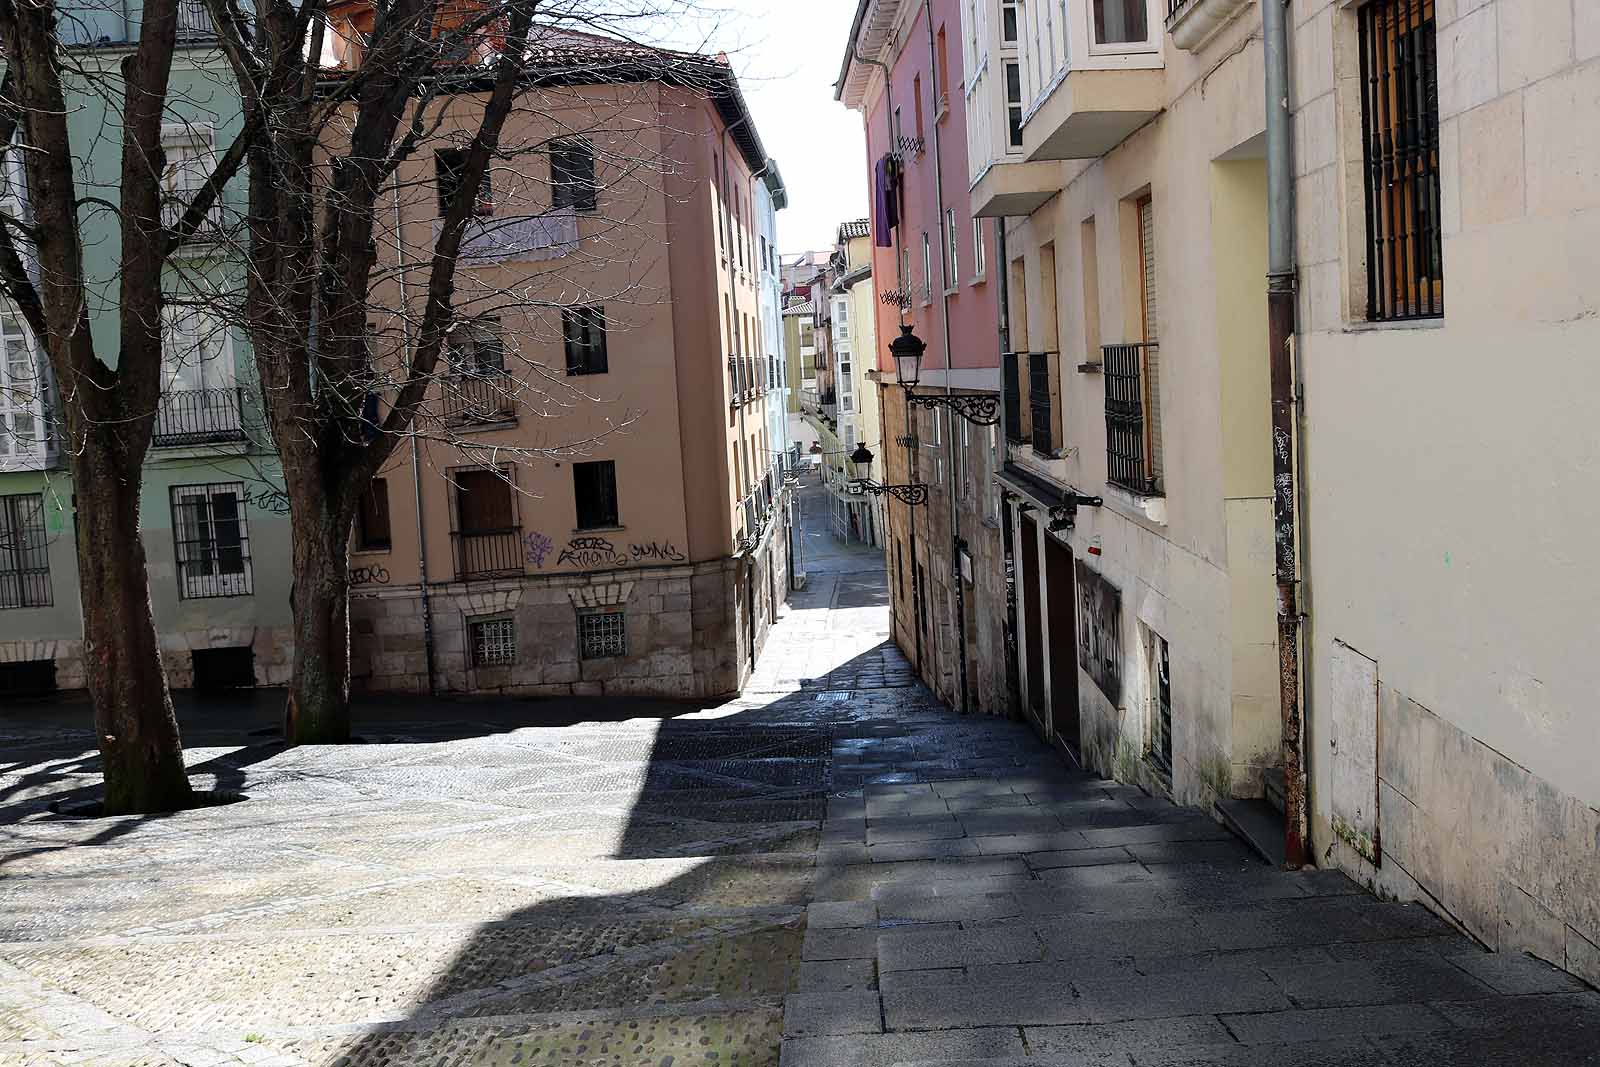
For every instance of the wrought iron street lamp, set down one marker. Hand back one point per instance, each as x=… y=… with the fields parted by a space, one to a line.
x=861 y=467
x=980 y=409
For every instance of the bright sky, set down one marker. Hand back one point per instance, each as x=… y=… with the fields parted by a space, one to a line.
x=787 y=56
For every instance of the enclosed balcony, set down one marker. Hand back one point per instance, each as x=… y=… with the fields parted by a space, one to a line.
x=1090 y=83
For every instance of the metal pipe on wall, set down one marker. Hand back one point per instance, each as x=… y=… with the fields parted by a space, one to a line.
x=1013 y=672
x=1280 y=353
x=416 y=458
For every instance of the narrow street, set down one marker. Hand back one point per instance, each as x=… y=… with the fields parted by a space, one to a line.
x=833 y=865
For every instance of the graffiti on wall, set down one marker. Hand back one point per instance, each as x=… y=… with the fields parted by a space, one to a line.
x=375 y=575
x=662 y=551
x=538 y=547
x=591 y=552
x=1100 y=631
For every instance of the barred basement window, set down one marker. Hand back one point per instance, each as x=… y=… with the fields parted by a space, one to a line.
x=602 y=634
x=1400 y=139
x=494 y=642
x=212 y=540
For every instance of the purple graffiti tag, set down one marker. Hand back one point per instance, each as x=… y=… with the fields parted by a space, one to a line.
x=538 y=547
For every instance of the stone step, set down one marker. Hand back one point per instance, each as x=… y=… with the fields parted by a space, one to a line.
x=1257 y=824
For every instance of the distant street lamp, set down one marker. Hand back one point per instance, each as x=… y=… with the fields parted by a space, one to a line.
x=861 y=467
x=980 y=409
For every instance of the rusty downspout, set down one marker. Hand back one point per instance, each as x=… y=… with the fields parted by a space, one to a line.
x=1280 y=354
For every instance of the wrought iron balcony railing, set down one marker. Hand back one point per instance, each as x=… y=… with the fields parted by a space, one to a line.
x=1013 y=398
x=1039 y=403
x=1129 y=448
x=483 y=554
x=479 y=398
x=199 y=416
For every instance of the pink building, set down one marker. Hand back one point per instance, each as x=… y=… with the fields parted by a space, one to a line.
x=934 y=268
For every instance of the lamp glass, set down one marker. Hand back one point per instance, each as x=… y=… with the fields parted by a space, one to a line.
x=907 y=351
x=861 y=462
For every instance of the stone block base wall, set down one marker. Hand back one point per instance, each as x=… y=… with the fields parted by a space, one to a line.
x=273 y=648
x=68 y=657
x=1476 y=837
x=687 y=635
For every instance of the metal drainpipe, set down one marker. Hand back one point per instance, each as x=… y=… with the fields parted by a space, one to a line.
x=1013 y=673
x=416 y=461
x=1280 y=344
x=944 y=307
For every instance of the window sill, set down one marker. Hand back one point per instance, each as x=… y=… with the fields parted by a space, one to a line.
x=1363 y=326
x=598 y=529
x=1137 y=505
x=953 y=290
x=978 y=279
x=375 y=550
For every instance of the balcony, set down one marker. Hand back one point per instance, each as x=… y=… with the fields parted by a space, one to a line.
x=194 y=21
x=479 y=400
x=482 y=554
x=1133 y=459
x=1194 y=22
x=198 y=417
x=1039 y=405
x=1107 y=80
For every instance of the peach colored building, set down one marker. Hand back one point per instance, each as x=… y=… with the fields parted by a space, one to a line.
x=591 y=503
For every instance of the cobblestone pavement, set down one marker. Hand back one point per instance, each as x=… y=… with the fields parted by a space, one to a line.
x=832 y=869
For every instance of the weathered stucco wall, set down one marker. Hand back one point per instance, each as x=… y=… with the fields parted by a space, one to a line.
x=1451 y=466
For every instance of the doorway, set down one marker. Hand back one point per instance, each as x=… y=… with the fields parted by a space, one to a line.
x=1063 y=609
x=1032 y=624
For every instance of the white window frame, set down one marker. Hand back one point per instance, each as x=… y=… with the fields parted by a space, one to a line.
x=951 y=243
x=24 y=409
x=214 y=582
x=191 y=151
x=978 y=265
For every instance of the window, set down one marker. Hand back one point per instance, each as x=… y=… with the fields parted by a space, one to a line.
x=23 y=410
x=595 y=487
x=1400 y=141
x=199 y=401
x=927 y=268
x=941 y=75
x=1008 y=24
x=977 y=248
x=841 y=319
x=372 y=518
x=572 y=182
x=24 y=552
x=487 y=540
x=602 y=634
x=212 y=540
x=494 y=642
x=449 y=171
x=916 y=100
x=584 y=330
x=191 y=157
x=952 y=262
x=1014 y=104
x=1120 y=22
x=477 y=347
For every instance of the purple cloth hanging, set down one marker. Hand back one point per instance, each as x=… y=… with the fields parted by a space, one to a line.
x=886 y=205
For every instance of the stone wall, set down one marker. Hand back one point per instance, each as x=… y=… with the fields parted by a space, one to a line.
x=686 y=626
x=68 y=657
x=272 y=646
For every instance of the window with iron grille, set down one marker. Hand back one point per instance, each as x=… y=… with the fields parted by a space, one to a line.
x=1400 y=140
x=594 y=486
x=494 y=642
x=486 y=537
x=212 y=540
x=449 y=171
x=372 y=518
x=1160 y=699
x=572 y=180
x=584 y=332
x=602 y=634
x=24 y=552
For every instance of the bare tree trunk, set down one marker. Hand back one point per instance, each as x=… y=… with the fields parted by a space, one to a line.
x=318 y=708
x=135 y=725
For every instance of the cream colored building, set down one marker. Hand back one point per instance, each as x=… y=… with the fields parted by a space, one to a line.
x=1447 y=241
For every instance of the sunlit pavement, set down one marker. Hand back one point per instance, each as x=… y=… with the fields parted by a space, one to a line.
x=833 y=865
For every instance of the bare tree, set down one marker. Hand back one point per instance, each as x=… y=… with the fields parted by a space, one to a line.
x=326 y=147
x=107 y=405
